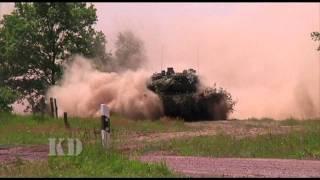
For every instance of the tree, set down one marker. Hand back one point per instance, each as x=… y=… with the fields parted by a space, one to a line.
x=316 y=37
x=37 y=39
x=129 y=52
x=7 y=97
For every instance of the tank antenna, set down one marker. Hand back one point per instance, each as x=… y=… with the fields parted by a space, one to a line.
x=161 y=57
x=198 y=59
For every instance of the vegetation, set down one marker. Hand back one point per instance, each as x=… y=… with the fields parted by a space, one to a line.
x=92 y=162
x=129 y=52
x=35 y=129
x=302 y=143
x=316 y=37
x=182 y=96
x=7 y=97
x=296 y=144
x=37 y=39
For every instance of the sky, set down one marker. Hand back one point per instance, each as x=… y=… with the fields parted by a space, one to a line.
x=262 y=53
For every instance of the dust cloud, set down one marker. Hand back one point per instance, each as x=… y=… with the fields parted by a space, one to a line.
x=83 y=89
x=261 y=53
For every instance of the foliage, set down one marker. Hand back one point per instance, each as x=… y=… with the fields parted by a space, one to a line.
x=295 y=144
x=33 y=129
x=316 y=37
x=93 y=161
x=176 y=83
x=7 y=97
x=37 y=39
x=182 y=97
x=129 y=53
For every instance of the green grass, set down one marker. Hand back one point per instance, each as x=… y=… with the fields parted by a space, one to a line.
x=95 y=162
x=291 y=122
x=261 y=120
x=92 y=162
x=296 y=144
x=121 y=124
x=32 y=129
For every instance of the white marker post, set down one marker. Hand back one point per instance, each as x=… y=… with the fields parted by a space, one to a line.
x=105 y=126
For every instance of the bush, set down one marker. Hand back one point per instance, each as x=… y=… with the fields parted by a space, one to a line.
x=7 y=98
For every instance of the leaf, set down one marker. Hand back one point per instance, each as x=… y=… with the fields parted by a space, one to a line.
x=38 y=38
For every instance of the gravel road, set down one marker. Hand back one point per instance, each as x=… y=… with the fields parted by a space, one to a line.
x=237 y=167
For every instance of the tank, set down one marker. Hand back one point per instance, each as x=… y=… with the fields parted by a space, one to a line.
x=182 y=96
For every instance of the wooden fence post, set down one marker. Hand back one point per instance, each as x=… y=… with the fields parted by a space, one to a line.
x=65 y=119
x=56 y=107
x=51 y=107
x=42 y=106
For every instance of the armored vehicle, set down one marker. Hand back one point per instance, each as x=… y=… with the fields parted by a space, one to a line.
x=183 y=97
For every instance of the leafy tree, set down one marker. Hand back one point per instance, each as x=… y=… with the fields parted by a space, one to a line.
x=129 y=52
x=316 y=37
x=7 y=97
x=37 y=39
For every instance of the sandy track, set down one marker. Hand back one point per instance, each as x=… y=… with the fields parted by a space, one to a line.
x=237 y=167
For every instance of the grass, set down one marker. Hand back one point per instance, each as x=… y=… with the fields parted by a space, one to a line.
x=304 y=144
x=261 y=120
x=95 y=162
x=92 y=162
x=121 y=124
x=291 y=122
x=32 y=129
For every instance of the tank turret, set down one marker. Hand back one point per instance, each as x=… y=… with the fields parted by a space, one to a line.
x=183 y=97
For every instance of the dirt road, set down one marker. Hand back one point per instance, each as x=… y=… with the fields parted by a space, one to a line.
x=11 y=154
x=237 y=167
x=196 y=166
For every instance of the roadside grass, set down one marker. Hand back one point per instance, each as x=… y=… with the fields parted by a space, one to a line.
x=261 y=120
x=19 y=130
x=292 y=122
x=123 y=125
x=92 y=162
x=34 y=129
x=303 y=144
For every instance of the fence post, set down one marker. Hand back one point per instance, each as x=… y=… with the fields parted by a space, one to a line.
x=42 y=106
x=105 y=126
x=65 y=119
x=56 y=107
x=51 y=107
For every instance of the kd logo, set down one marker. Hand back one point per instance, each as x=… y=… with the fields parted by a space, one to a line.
x=74 y=147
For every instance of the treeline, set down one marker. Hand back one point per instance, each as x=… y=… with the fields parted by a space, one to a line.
x=38 y=39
